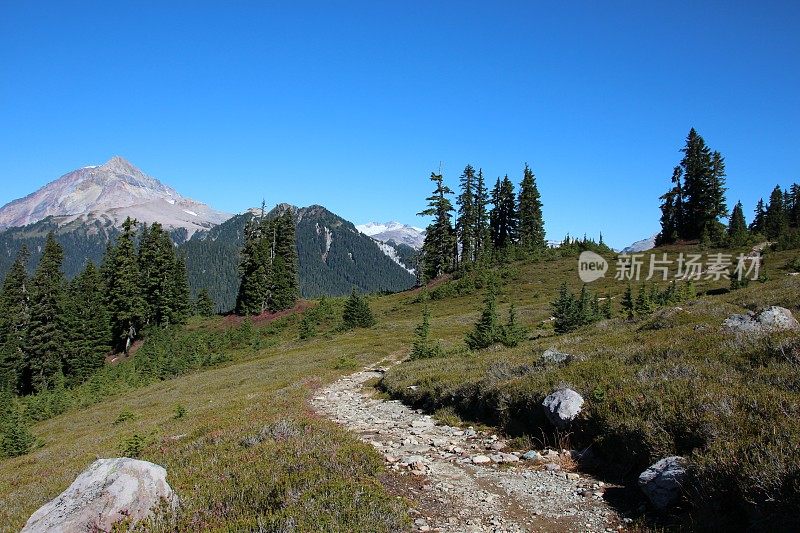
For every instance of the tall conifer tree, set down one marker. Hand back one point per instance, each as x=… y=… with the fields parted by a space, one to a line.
x=440 y=241
x=14 y=321
x=531 y=221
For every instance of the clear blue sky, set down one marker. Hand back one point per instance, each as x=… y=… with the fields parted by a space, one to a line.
x=351 y=105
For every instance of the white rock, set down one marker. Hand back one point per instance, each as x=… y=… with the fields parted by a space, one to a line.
x=480 y=459
x=562 y=406
x=108 y=491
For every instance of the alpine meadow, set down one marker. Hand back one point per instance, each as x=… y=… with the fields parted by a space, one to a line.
x=407 y=299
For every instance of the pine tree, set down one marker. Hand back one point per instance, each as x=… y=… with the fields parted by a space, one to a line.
x=696 y=200
x=204 y=305
x=156 y=258
x=46 y=334
x=776 y=220
x=628 y=303
x=88 y=325
x=757 y=226
x=607 y=309
x=480 y=232
x=14 y=321
x=794 y=205
x=565 y=310
x=422 y=347
x=531 y=221
x=181 y=308
x=644 y=304
x=440 y=242
x=122 y=280
x=16 y=438
x=486 y=331
x=308 y=327
x=356 y=313
x=254 y=267
x=512 y=333
x=503 y=218
x=466 y=220
x=737 y=227
x=285 y=284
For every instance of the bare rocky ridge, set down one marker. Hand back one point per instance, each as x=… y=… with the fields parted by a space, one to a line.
x=470 y=482
x=110 y=192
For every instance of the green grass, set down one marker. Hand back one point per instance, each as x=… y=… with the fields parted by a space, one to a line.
x=669 y=383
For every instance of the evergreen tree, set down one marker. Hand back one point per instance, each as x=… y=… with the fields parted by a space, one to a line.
x=16 y=438
x=512 y=333
x=440 y=242
x=696 y=200
x=644 y=304
x=122 y=280
x=776 y=220
x=181 y=308
x=204 y=305
x=285 y=284
x=503 y=218
x=88 y=325
x=46 y=334
x=607 y=309
x=356 y=312
x=531 y=221
x=486 y=331
x=308 y=327
x=565 y=310
x=14 y=321
x=794 y=205
x=737 y=227
x=628 y=303
x=254 y=267
x=423 y=348
x=466 y=220
x=156 y=258
x=480 y=233
x=757 y=226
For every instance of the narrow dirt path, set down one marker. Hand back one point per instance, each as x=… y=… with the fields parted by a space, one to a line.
x=467 y=481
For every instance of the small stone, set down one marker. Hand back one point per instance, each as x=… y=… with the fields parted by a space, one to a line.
x=480 y=459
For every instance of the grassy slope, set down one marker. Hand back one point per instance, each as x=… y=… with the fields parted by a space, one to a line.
x=310 y=476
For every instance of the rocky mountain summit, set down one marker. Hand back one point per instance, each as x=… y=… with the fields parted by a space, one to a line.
x=109 y=193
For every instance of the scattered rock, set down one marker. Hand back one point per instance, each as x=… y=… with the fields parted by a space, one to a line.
x=532 y=455
x=480 y=459
x=108 y=491
x=562 y=406
x=551 y=356
x=662 y=481
x=769 y=320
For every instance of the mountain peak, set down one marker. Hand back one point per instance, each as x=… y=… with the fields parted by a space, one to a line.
x=119 y=164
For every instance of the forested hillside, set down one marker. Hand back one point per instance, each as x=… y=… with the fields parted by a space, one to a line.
x=334 y=258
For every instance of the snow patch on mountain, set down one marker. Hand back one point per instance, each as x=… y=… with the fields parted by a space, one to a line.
x=641 y=246
x=394 y=231
x=391 y=253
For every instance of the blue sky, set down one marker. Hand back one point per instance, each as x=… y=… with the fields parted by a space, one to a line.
x=352 y=105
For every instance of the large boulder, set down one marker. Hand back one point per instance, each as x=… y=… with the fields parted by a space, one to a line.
x=551 y=356
x=562 y=406
x=769 y=320
x=662 y=481
x=108 y=491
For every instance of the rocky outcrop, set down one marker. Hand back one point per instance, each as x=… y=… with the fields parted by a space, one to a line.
x=562 y=406
x=108 y=491
x=769 y=320
x=662 y=481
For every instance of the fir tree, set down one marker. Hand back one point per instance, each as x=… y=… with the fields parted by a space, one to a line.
x=285 y=284
x=757 y=226
x=644 y=304
x=14 y=321
x=440 y=242
x=776 y=220
x=16 y=438
x=254 y=267
x=204 y=305
x=794 y=205
x=88 y=325
x=466 y=220
x=308 y=327
x=486 y=331
x=672 y=213
x=480 y=233
x=737 y=227
x=512 y=333
x=356 y=312
x=607 y=309
x=122 y=280
x=422 y=347
x=181 y=307
x=628 y=303
x=531 y=222
x=565 y=310
x=46 y=335
x=503 y=218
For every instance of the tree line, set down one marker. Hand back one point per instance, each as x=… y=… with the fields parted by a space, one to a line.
x=695 y=205
x=488 y=224
x=54 y=331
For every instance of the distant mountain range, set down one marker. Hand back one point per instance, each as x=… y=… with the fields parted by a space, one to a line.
x=394 y=231
x=84 y=209
x=641 y=246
